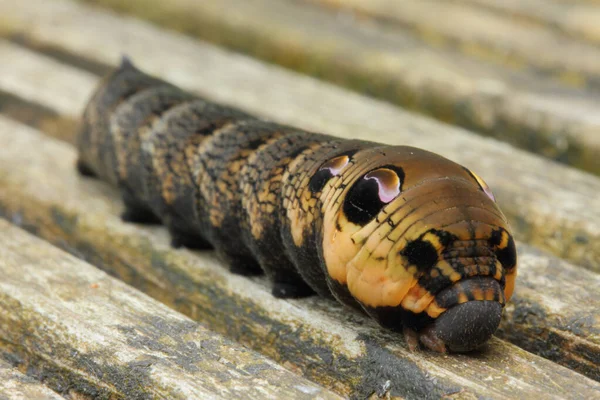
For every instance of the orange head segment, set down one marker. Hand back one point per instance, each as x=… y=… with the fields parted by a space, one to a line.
x=400 y=225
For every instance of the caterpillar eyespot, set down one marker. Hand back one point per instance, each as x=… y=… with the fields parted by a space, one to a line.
x=327 y=171
x=371 y=193
x=412 y=239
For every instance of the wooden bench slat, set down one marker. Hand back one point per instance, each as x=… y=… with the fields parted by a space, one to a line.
x=336 y=347
x=16 y=386
x=481 y=34
x=23 y=78
x=549 y=206
x=518 y=106
x=578 y=19
x=93 y=335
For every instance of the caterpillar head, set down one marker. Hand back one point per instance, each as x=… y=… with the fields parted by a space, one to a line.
x=419 y=242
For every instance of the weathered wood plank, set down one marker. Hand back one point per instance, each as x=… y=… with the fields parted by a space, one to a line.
x=92 y=335
x=485 y=35
x=63 y=103
x=515 y=105
x=46 y=88
x=578 y=19
x=333 y=346
x=16 y=386
x=37 y=115
x=550 y=206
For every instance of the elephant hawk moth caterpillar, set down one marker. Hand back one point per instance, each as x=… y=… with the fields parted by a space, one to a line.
x=413 y=239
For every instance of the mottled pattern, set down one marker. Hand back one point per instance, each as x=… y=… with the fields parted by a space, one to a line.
x=411 y=238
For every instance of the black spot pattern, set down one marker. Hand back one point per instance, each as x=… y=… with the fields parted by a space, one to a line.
x=508 y=255
x=496 y=237
x=420 y=253
x=445 y=237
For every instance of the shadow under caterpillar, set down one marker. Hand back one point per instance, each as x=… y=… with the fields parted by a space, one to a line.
x=414 y=240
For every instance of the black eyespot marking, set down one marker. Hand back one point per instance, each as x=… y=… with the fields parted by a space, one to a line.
x=327 y=171
x=508 y=255
x=371 y=193
x=484 y=186
x=420 y=253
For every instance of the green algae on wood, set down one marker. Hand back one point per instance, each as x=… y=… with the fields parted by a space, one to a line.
x=14 y=385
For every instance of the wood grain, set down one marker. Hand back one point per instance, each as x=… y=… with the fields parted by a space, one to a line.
x=578 y=19
x=481 y=34
x=89 y=334
x=14 y=385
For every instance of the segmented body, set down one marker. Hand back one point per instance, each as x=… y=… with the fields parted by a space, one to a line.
x=410 y=237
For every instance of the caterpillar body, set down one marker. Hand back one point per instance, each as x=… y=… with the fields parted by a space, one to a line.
x=414 y=240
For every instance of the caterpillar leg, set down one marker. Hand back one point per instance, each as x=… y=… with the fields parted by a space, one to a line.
x=241 y=264
x=342 y=294
x=135 y=212
x=182 y=238
x=84 y=169
x=412 y=339
x=427 y=338
x=287 y=290
x=287 y=283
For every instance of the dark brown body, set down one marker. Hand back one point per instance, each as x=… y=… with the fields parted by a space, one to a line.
x=401 y=233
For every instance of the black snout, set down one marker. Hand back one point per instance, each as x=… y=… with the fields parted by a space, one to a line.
x=467 y=326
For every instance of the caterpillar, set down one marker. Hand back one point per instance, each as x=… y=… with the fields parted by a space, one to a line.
x=412 y=239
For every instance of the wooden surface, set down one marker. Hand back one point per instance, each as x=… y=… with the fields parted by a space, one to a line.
x=52 y=55
x=577 y=19
x=541 y=96
x=333 y=346
x=88 y=334
x=551 y=206
x=482 y=34
x=14 y=385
